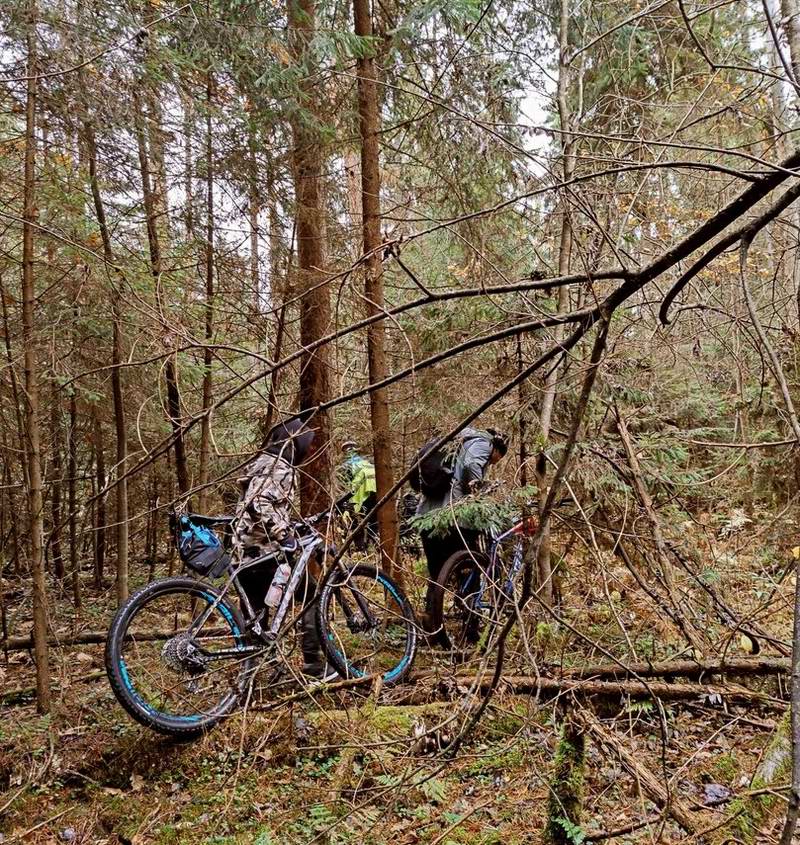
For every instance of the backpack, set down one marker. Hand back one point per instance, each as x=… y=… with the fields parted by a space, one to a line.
x=199 y=548
x=432 y=469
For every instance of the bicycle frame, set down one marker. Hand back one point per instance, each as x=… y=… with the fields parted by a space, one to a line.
x=310 y=544
x=491 y=575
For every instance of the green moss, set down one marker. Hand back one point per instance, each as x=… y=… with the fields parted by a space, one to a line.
x=168 y=835
x=725 y=768
x=750 y=812
x=502 y=760
x=566 y=788
x=387 y=721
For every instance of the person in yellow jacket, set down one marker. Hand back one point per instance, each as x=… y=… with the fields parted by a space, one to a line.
x=356 y=475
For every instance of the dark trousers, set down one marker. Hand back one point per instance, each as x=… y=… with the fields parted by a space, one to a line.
x=370 y=530
x=439 y=549
x=256 y=582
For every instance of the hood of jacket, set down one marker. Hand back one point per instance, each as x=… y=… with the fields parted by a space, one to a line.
x=290 y=440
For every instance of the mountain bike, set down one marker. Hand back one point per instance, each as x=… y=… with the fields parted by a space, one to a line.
x=475 y=589
x=180 y=655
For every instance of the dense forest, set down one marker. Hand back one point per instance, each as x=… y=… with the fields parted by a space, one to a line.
x=570 y=222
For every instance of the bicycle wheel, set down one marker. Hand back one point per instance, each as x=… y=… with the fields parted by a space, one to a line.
x=171 y=678
x=366 y=624
x=456 y=601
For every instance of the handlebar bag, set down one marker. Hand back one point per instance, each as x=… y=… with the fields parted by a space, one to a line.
x=200 y=549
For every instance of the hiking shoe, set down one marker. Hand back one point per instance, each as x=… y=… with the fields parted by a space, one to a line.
x=321 y=672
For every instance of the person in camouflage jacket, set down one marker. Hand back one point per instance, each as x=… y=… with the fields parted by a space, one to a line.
x=264 y=520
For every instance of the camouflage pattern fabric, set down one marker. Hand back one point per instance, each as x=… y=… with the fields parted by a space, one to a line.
x=263 y=515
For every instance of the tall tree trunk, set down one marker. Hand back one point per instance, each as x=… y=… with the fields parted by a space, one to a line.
x=100 y=503
x=279 y=291
x=57 y=483
x=154 y=247
x=253 y=211
x=12 y=378
x=205 y=425
x=120 y=427
x=72 y=497
x=188 y=162
x=4 y=555
x=369 y=121
x=546 y=585
x=315 y=296
x=522 y=405
x=174 y=414
x=274 y=380
x=31 y=398
x=790 y=20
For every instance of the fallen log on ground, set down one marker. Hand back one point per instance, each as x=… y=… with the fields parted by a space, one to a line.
x=86 y=638
x=532 y=685
x=451 y=687
x=680 y=668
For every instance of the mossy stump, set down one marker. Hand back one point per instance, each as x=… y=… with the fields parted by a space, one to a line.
x=566 y=786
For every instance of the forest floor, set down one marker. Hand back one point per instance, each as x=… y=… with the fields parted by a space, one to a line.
x=337 y=768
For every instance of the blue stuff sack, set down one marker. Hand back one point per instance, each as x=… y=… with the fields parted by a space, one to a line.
x=200 y=549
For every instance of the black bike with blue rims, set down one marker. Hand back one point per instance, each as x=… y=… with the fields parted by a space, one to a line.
x=180 y=654
x=366 y=624
x=176 y=656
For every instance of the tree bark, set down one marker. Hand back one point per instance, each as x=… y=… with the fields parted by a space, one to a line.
x=307 y=162
x=154 y=247
x=100 y=506
x=208 y=386
x=522 y=409
x=174 y=414
x=793 y=810
x=547 y=584
x=790 y=20
x=72 y=498
x=253 y=212
x=15 y=393
x=369 y=121
x=31 y=397
x=57 y=484
x=566 y=785
x=120 y=426
x=188 y=162
x=790 y=15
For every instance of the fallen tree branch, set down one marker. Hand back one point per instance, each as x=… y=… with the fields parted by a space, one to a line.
x=649 y=783
x=13 y=695
x=664 y=564
x=85 y=638
x=552 y=687
x=683 y=668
